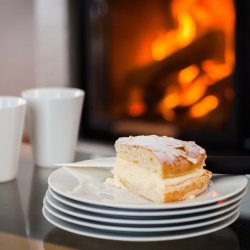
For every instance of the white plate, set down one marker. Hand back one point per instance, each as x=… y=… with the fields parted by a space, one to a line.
x=86 y=231
x=95 y=217
x=137 y=229
x=105 y=162
x=143 y=213
x=87 y=185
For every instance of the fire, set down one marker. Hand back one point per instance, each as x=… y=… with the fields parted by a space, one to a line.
x=187 y=75
x=192 y=19
x=169 y=42
x=137 y=106
x=193 y=93
x=171 y=100
x=216 y=71
x=203 y=107
x=187 y=29
x=137 y=109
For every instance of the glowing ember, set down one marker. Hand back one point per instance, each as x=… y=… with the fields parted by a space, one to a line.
x=203 y=107
x=137 y=109
x=137 y=106
x=192 y=19
x=187 y=75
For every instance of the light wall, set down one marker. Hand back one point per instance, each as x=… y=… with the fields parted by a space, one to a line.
x=33 y=44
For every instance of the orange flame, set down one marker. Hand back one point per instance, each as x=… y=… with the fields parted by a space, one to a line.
x=216 y=71
x=192 y=19
x=170 y=41
x=205 y=106
x=187 y=75
x=137 y=107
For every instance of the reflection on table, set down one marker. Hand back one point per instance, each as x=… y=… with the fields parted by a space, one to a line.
x=22 y=225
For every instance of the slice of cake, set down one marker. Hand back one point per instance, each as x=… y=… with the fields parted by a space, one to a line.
x=160 y=168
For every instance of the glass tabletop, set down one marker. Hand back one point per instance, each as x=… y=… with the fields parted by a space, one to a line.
x=21 y=219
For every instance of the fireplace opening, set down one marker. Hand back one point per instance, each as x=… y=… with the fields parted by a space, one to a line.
x=172 y=62
x=162 y=67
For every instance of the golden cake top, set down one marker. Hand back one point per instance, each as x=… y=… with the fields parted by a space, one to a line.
x=164 y=147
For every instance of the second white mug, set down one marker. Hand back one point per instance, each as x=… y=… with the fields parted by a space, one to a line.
x=53 y=116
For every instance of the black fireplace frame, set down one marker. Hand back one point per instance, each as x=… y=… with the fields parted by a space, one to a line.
x=89 y=73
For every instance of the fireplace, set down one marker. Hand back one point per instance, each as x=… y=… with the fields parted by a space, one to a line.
x=165 y=67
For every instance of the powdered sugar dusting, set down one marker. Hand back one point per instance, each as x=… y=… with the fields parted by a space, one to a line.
x=166 y=148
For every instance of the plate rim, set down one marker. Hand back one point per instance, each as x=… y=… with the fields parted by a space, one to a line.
x=149 y=206
x=140 y=221
x=119 y=228
x=165 y=212
x=199 y=232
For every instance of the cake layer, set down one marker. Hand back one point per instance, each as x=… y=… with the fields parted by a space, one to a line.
x=166 y=156
x=151 y=186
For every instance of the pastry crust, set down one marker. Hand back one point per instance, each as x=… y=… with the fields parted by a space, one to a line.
x=188 y=189
x=164 y=155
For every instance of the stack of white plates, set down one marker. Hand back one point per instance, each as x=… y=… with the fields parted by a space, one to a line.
x=78 y=201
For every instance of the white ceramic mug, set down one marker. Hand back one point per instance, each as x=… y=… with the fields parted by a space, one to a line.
x=12 y=113
x=53 y=116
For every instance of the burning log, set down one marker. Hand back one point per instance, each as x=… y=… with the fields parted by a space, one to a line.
x=150 y=78
x=217 y=90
